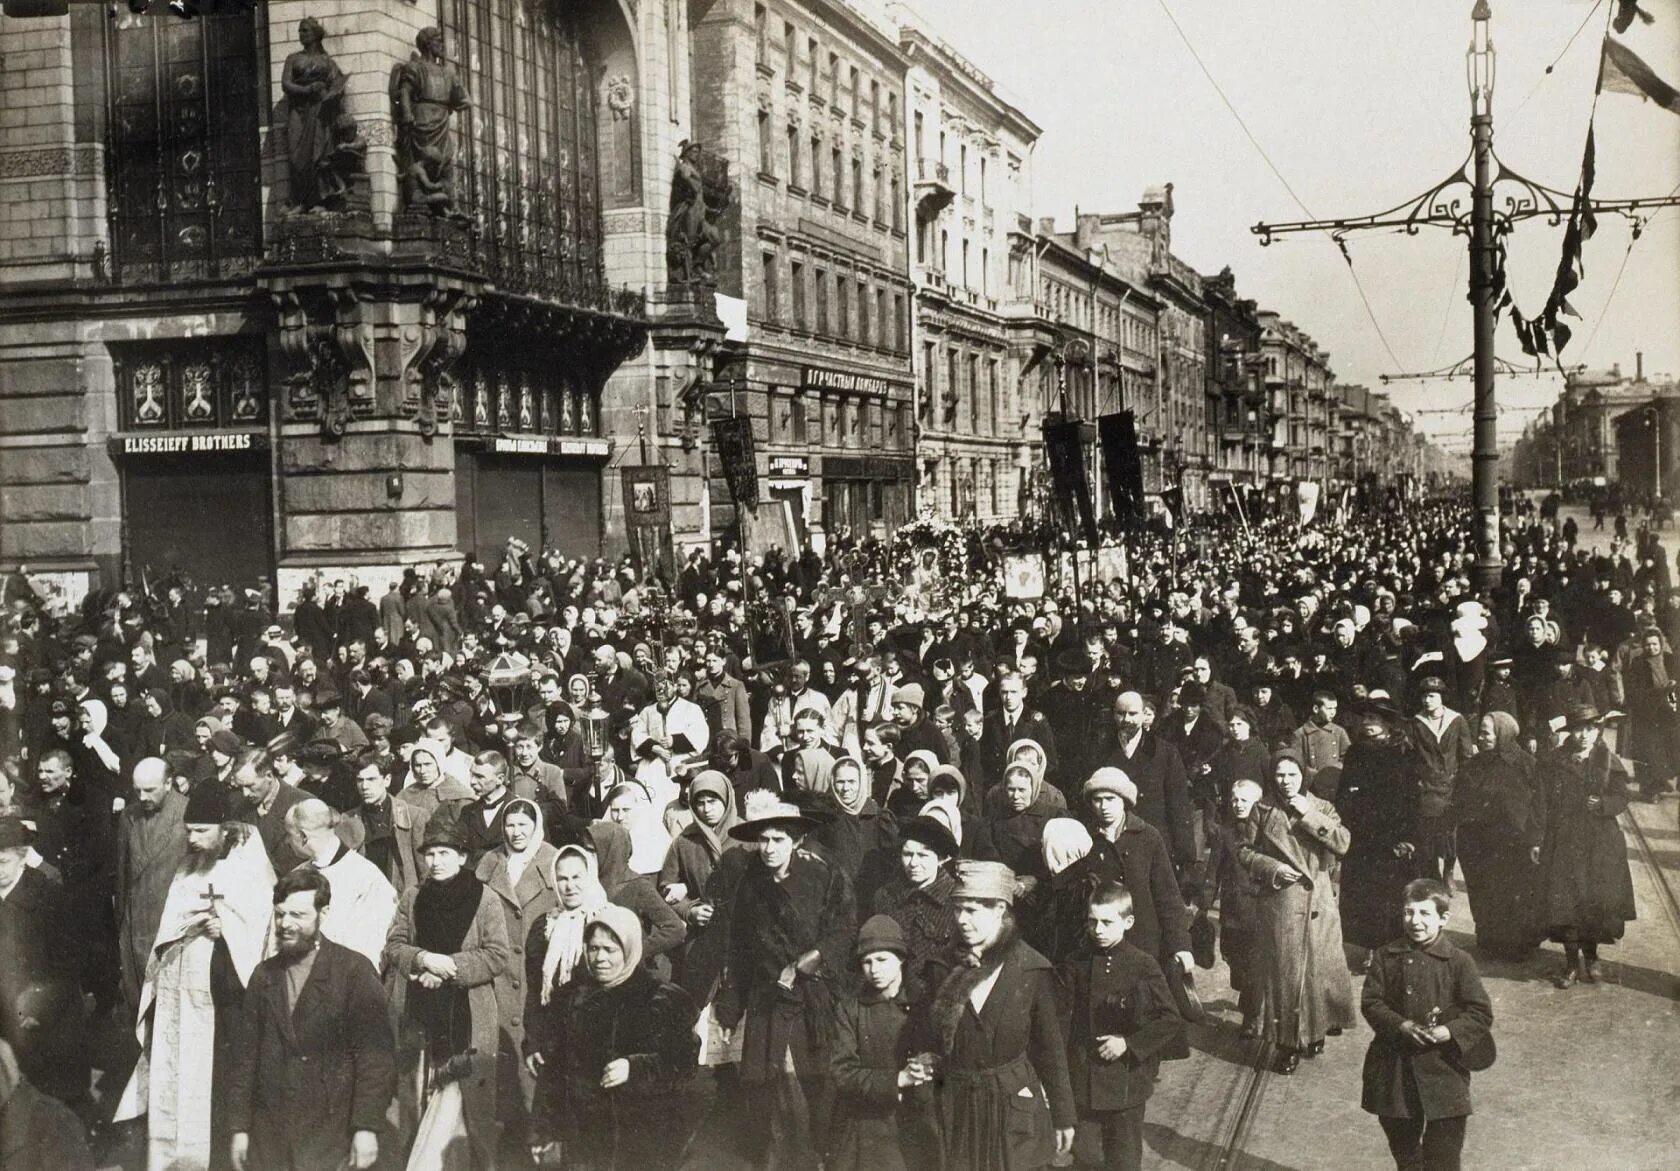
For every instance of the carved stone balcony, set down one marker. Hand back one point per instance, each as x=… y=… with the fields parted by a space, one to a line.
x=934 y=192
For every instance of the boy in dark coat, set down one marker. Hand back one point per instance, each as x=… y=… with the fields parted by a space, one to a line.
x=1433 y=1023
x=882 y=1118
x=1124 y=1021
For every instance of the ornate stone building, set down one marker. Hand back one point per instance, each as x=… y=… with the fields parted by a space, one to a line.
x=276 y=304
x=1300 y=408
x=971 y=155
x=804 y=99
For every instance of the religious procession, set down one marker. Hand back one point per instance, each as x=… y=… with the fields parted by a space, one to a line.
x=549 y=864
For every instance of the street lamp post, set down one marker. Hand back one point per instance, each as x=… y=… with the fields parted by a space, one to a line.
x=1484 y=454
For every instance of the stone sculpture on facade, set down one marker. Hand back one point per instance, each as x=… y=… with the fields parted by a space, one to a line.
x=426 y=93
x=324 y=150
x=692 y=236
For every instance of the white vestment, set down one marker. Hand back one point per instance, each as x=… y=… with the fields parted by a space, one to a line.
x=362 y=907
x=171 y=1085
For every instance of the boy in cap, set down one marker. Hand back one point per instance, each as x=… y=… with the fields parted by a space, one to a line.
x=1433 y=1023
x=882 y=1088
x=1123 y=1022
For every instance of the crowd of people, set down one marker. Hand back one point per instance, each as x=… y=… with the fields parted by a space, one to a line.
x=498 y=868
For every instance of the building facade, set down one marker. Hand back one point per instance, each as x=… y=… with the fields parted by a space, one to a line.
x=1236 y=393
x=1298 y=378
x=254 y=334
x=806 y=101
x=970 y=155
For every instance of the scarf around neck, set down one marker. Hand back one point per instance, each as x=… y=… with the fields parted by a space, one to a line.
x=565 y=928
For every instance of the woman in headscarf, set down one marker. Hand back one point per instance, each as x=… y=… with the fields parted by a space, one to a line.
x=577 y=692
x=167 y=730
x=1017 y=831
x=98 y=766
x=611 y=1081
x=520 y=873
x=427 y=786
x=628 y=805
x=1032 y=753
x=447 y=946
x=1241 y=757
x=860 y=839
x=564 y=748
x=1305 y=987
x=694 y=854
x=1053 y=918
x=662 y=929
x=1230 y=886
x=1499 y=810
x=810 y=770
x=910 y=792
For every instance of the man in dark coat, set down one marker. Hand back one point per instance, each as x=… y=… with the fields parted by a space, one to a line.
x=310 y=624
x=316 y=1067
x=40 y=995
x=916 y=731
x=1154 y=766
x=1011 y=722
x=263 y=803
x=1424 y=1001
x=151 y=845
x=1378 y=801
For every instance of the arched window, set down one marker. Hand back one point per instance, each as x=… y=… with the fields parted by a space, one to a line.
x=530 y=171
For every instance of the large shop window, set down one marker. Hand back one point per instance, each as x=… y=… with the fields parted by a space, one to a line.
x=184 y=100
x=530 y=161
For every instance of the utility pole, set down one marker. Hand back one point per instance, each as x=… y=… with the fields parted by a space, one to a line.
x=1486 y=223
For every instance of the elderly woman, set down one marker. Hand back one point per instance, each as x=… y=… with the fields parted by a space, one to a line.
x=622 y=1050
x=554 y=946
x=520 y=873
x=911 y=790
x=1003 y=1096
x=1499 y=810
x=1017 y=830
x=1304 y=980
x=1053 y=919
x=1230 y=886
x=448 y=945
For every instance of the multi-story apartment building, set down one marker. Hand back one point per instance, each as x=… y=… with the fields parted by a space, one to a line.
x=807 y=102
x=1297 y=379
x=1237 y=394
x=970 y=155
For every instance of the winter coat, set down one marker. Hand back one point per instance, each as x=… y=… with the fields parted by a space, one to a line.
x=38 y=978
x=926 y=915
x=1587 y=887
x=1377 y=802
x=523 y=904
x=1163 y=793
x=630 y=1127
x=1408 y=983
x=40 y=1133
x=1120 y=992
x=876 y=1126
x=1003 y=1081
x=1302 y=971
x=772 y=924
x=305 y=1079
x=483 y=956
x=1137 y=860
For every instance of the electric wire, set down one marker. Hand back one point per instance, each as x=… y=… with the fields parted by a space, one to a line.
x=1547 y=73
x=1273 y=167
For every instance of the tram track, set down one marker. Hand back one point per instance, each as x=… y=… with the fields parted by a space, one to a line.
x=1659 y=876
x=1252 y=1089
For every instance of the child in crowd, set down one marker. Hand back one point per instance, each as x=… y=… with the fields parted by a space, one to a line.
x=1433 y=1023
x=1123 y=1018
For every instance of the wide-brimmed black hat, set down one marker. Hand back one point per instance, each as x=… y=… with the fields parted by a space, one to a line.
x=782 y=815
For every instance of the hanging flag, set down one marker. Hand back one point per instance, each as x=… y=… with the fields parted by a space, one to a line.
x=1640 y=54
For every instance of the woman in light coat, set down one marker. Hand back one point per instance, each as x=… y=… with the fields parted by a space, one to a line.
x=1304 y=981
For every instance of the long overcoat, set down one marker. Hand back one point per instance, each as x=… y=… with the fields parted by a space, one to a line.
x=149 y=851
x=483 y=956
x=876 y=1124
x=1408 y=984
x=305 y=1079
x=1378 y=803
x=523 y=905
x=1303 y=974
x=1588 y=889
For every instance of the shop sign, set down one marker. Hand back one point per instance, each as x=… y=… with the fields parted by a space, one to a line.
x=205 y=444
x=847 y=467
x=822 y=378
x=789 y=467
x=549 y=445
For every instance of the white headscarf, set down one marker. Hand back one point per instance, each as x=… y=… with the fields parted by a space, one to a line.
x=565 y=928
x=95 y=736
x=1065 y=842
x=518 y=860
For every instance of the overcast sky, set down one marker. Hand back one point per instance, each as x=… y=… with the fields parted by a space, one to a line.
x=1360 y=104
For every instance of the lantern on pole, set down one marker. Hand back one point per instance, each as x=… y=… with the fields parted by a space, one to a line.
x=509 y=678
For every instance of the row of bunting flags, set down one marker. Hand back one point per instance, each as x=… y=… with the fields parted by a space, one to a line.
x=1641 y=32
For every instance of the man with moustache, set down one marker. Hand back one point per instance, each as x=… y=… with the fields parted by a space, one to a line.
x=310 y=1083
x=151 y=844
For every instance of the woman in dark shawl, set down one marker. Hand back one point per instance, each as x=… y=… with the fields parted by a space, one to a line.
x=1499 y=810
x=860 y=839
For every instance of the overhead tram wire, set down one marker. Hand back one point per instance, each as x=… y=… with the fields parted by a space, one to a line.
x=1273 y=167
x=1547 y=72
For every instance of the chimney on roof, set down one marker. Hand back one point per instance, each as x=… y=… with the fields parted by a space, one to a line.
x=1639 y=366
x=1047 y=225
x=1085 y=228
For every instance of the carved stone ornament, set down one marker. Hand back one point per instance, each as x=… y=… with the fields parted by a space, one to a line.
x=327 y=354
x=621 y=96
x=429 y=352
x=764 y=103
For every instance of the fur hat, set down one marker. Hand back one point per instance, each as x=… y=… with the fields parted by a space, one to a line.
x=1112 y=780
